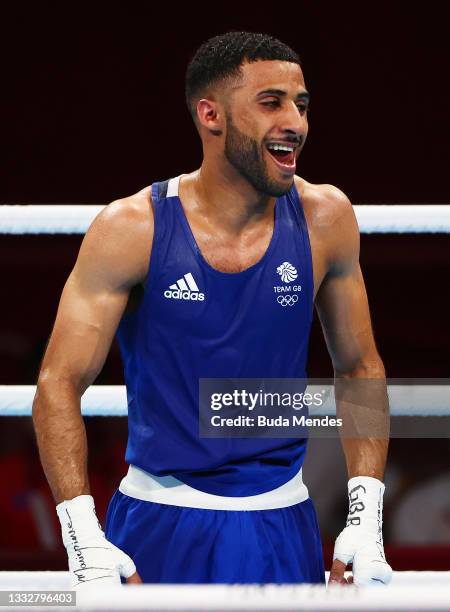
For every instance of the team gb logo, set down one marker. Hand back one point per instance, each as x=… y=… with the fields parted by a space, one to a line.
x=287 y=272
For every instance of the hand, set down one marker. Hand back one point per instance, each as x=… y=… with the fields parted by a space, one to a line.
x=99 y=563
x=361 y=542
x=369 y=564
x=337 y=574
x=93 y=561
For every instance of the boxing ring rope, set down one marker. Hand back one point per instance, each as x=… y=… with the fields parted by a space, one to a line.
x=409 y=590
x=111 y=400
x=76 y=218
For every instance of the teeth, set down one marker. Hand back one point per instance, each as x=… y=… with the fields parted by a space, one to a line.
x=278 y=147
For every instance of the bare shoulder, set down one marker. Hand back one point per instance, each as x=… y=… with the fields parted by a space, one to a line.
x=324 y=205
x=127 y=217
x=332 y=224
x=117 y=245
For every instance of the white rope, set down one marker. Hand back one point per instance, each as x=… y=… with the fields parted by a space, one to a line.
x=111 y=400
x=47 y=218
x=75 y=219
x=99 y=400
x=61 y=579
x=408 y=591
x=398 y=219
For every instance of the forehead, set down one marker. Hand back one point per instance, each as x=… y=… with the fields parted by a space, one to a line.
x=271 y=75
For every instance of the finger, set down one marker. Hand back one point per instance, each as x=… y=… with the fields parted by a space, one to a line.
x=350 y=580
x=126 y=565
x=337 y=573
x=134 y=579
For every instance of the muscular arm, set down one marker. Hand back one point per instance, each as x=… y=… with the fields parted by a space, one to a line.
x=359 y=373
x=113 y=257
x=360 y=386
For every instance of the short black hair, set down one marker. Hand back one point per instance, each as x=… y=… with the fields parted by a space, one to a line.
x=220 y=57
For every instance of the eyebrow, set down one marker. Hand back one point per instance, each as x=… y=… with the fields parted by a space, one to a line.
x=304 y=95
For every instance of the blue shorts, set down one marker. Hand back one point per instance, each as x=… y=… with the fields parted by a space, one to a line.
x=173 y=544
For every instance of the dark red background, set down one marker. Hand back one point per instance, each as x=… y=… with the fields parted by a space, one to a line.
x=93 y=109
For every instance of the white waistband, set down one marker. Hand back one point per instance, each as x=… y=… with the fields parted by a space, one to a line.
x=168 y=490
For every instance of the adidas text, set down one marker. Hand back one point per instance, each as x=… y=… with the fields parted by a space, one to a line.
x=177 y=294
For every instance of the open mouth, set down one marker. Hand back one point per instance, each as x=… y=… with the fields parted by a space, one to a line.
x=284 y=156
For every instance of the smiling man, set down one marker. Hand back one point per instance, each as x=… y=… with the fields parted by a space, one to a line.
x=192 y=273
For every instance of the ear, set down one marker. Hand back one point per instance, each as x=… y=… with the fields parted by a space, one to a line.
x=210 y=116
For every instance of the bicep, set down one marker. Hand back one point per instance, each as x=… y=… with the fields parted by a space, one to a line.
x=85 y=324
x=343 y=311
x=111 y=260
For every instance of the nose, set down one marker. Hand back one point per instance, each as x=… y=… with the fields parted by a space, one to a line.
x=294 y=122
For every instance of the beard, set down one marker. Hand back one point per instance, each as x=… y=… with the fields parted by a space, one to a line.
x=244 y=154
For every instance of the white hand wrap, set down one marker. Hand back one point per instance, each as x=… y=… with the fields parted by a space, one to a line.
x=93 y=561
x=361 y=542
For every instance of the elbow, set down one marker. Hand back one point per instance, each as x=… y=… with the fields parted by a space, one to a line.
x=52 y=389
x=367 y=368
x=53 y=380
x=45 y=389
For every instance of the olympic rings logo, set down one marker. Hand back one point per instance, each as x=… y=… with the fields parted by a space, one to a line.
x=287 y=300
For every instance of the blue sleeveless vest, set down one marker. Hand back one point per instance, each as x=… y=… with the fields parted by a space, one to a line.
x=197 y=322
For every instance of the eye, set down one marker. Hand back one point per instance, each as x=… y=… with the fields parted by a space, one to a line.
x=302 y=108
x=271 y=103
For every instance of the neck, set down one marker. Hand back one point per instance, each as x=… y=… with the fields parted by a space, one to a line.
x=227 y=199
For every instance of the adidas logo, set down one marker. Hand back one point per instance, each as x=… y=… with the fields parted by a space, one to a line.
x=184 y=289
